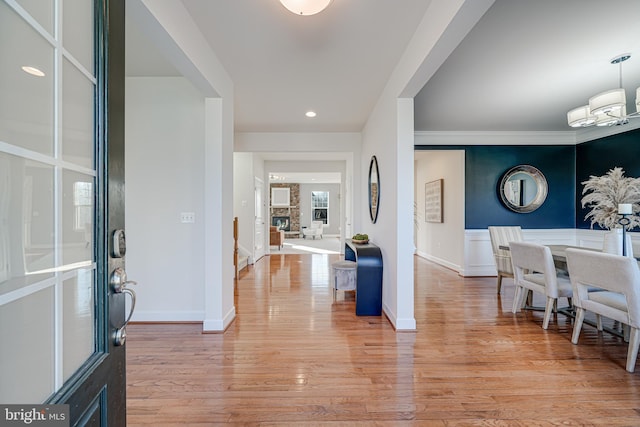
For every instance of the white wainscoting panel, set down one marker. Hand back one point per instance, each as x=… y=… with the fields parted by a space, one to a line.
x=478 y=256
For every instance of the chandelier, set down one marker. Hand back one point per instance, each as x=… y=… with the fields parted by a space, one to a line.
x=606 y=108
x=305 y=7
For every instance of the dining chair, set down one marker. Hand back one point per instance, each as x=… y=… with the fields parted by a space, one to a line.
x=619 y=297
x=533 y=269
x=501 y=236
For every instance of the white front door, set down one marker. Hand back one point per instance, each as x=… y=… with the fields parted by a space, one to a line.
x=258 y=246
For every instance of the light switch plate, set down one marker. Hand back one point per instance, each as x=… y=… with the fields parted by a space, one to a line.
x=187 y=217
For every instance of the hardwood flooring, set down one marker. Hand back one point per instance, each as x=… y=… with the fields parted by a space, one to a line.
x=294 y=357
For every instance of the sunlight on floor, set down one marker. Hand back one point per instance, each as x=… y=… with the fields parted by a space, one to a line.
x=309 y=249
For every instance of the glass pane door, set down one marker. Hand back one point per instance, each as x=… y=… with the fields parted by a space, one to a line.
x=47 y=193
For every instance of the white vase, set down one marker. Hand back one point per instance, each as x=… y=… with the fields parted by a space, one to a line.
x=613 y=242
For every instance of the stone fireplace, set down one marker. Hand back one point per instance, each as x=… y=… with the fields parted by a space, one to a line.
x=292 y=212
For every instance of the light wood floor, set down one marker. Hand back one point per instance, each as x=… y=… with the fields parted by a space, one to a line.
x=295 y=357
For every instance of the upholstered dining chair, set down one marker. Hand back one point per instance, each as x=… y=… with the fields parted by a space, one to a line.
x=619 y=299
x=533 y=269
x=501 y=236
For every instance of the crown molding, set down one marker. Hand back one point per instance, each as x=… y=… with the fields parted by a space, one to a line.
x=494 y=138
x=521 y=137
x=594 y=132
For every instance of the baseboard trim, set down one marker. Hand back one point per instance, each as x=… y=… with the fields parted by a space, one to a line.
x=399 y=325
x=451 y=266
x=213 y=326
x=167 y=316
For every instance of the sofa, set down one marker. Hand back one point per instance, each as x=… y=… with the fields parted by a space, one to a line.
x=276 y=237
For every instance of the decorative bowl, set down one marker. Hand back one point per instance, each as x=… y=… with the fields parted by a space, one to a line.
x=360 y=242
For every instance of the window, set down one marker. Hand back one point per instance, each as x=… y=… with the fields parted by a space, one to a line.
x=320 y=206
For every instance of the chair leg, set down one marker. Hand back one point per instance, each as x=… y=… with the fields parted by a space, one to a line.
x=547 y=312
x=577 y=325
x=599 y=322
x=516 y=299
x=632 y=352
x=499 y=282
x=529 y=298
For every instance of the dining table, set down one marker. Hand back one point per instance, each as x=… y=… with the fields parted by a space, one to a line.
x=559 y=253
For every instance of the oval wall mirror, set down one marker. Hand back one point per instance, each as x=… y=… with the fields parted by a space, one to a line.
x=523 y=189
x=374 y=189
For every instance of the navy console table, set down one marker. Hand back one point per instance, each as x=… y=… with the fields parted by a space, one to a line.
x=369 y=279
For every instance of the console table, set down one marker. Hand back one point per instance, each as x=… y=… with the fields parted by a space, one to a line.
x=369 y=277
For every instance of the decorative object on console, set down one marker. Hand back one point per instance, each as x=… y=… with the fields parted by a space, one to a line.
x=606 y=108
x=360 y=238
x=612 y=197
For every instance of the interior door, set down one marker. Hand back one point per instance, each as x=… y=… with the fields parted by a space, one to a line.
x=259 y=240
x=62 y=139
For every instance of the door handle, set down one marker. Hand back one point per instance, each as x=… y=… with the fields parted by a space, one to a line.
x=120 y=335
x=119 y=282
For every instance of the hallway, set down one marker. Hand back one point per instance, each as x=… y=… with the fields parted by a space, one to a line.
x=295 y=357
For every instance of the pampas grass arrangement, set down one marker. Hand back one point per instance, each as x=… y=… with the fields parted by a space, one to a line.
x=606 y=193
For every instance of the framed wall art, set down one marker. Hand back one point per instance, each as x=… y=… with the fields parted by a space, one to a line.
x=433 y=201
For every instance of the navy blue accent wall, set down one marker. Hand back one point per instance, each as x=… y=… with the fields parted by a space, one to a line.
x=484 y=167
x=599 y=156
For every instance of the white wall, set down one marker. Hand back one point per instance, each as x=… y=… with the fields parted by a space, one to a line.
x=244 y=199
x=164 y=177
x=169 y=25
x=441 y=242
x=335 y=214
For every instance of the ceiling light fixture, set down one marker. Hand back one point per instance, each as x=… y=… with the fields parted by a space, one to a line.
x=310 y=114
x=606 y=108
x=305 y=7
x=33 y=71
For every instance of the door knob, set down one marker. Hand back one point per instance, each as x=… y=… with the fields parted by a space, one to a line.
x=118 y=280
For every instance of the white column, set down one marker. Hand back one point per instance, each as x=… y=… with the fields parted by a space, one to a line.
x=405 y=319
x=218 y=208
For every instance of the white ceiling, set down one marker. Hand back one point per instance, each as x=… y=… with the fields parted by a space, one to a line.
x=528 y=62
x=523 y=66
x=282 y=65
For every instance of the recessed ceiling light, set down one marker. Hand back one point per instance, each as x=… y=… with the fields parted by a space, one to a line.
x=310 y=114
x=33 y=71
